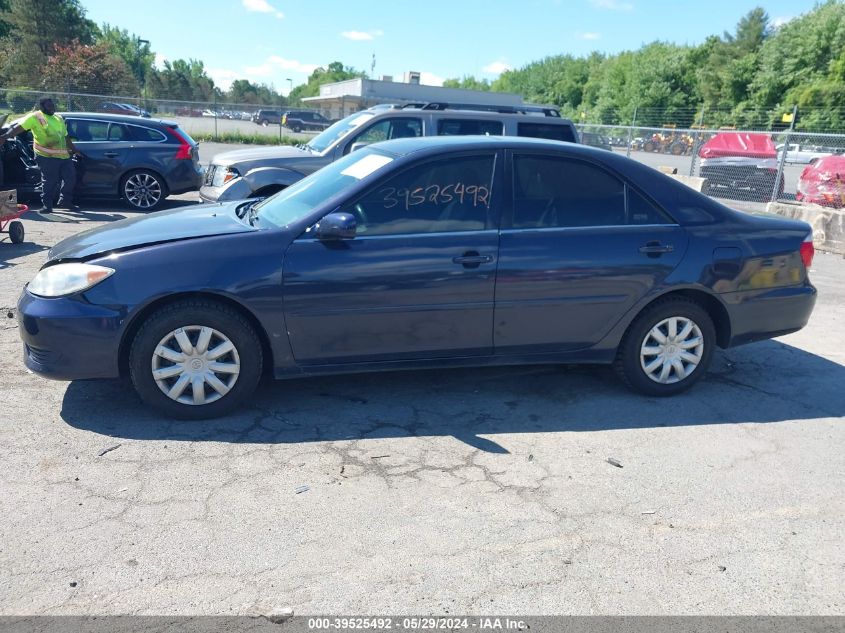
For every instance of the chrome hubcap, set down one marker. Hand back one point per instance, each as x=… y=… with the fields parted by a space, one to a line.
x=672 y=350
x=142 y=191
x=195 y=365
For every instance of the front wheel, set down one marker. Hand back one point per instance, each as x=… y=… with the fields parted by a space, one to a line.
x=195 y=359
x=143 y=190
x=667 y=349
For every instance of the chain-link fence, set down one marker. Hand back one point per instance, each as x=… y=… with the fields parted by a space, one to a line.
x=202 y=119
x=749 y=166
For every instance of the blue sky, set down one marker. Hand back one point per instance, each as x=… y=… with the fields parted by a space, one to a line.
x=270 y=41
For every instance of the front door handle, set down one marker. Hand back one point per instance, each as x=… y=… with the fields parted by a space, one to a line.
x=655 y=249
x=110 y=154
x=472 y=259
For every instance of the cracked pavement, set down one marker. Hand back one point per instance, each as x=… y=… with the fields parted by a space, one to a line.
x=456 y=491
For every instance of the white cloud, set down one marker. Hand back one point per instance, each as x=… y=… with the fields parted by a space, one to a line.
x=496 y=68
x=780 y=21
x=274 y=63
x=223 y=77
x=262 y=6
x=589 y=36
x=362 y=36
x=612 y=5
x=430 y=79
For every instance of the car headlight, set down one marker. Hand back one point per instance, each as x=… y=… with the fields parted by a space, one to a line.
x=222 y=176
x=65 y=279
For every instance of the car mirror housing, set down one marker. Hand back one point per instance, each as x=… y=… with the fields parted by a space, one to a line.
x=336 y=226
x=358 y=145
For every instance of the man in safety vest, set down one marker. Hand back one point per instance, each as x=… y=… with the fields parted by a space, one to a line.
x=53 y=149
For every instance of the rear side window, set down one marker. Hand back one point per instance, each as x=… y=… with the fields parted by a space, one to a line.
x=554 y=192
x=561 y=132
x=462 y=127
x=118 y=132
x=145 y=134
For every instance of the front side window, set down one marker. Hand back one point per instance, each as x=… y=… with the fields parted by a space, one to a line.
x=556 y=192
x=445 y=195
x=388 y=129
x=85 y=131
x=337 y=131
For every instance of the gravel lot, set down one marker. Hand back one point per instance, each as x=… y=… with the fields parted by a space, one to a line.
x=465 y=491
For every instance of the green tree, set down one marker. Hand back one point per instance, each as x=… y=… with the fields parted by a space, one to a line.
x=87 y=69
x=244 y=91
x=137 y=56
x=467 y=82
x=185 y=80
x=334 y=72
x=34 y=29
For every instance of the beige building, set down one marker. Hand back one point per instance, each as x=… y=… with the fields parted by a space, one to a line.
x=336 y=100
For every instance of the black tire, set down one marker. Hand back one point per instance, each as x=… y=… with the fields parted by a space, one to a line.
x=628 y=363
x=649 y=146
x=296 y=128
x=16 y=232
x=184 y=314
x=155 y=190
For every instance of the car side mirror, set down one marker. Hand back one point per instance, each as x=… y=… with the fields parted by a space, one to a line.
x=358 y=145
x=336 y=226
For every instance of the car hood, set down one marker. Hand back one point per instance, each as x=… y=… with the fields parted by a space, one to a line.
x=164 y=226
x=241 y=156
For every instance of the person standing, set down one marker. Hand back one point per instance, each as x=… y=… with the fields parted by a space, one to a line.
x=53 y=149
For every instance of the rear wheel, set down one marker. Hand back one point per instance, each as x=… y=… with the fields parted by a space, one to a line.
x=296 y=127
x=195 y=359
x=667 y=349
x=143 y=190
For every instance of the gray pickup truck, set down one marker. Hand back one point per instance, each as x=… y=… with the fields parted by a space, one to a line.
x=263 y=171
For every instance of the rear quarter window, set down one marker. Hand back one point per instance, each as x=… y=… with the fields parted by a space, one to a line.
x=560 y=132
x=145 y=134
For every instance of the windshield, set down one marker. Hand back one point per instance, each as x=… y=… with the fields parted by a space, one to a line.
x=298 y=200
x=334 y=133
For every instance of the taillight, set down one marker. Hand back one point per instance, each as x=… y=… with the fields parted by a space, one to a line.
x=185 y=147
x=807 y=251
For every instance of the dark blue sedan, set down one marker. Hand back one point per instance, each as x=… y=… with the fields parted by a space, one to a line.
x=430 y=252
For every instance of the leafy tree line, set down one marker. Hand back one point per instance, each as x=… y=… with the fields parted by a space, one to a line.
x=51 y=45
x=747 y=78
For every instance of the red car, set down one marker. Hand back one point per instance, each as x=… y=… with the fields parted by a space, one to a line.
x=741 y=164
x=823 y=182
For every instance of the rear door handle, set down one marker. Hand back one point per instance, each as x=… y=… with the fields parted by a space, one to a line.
x=471 y=259
x=110 y=154
x=656 y=248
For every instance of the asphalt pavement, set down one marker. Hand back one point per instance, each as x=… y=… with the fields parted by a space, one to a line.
x=540 y=489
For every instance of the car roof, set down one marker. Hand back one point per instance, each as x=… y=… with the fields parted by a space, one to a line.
x=119 y=118
x=435 y=144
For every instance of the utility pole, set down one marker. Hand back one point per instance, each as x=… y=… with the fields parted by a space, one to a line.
x=631 y=133
x=782 y=160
